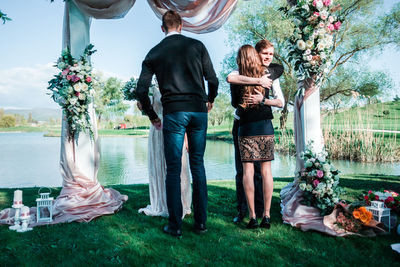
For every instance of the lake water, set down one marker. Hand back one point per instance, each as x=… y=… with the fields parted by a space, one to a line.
x=30 y=159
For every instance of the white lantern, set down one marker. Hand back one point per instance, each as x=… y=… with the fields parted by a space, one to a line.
x=380 y=213
x=44 y=207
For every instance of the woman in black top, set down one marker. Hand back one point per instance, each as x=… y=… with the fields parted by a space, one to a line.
x=256 y=133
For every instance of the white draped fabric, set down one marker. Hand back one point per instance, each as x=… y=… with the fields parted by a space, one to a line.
x=307 y=127
x=158 y=170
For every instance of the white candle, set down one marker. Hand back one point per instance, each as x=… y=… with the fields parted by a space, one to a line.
x=17 y=197
x=24 y=211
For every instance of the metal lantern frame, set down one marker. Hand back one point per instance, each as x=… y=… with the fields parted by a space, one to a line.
x=44 y=202
x=379 y=211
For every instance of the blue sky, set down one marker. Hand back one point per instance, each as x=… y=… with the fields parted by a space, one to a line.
x=31 y=42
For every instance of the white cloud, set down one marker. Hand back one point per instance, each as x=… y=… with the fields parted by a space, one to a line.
x=26 y=87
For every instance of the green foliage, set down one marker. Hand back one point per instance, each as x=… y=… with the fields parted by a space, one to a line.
x=7 y=121
x=222 y=110
x=109 y=97
x=4 y=17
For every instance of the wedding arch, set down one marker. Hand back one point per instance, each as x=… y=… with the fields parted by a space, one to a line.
x=82 y=197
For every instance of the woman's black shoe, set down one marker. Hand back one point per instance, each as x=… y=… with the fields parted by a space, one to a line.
x=265 y=223
x=252 y=224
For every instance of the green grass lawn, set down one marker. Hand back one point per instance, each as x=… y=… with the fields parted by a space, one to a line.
x=129 y=238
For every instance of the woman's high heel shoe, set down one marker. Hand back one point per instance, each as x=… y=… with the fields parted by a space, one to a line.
x=265 y=223
x=252 y=224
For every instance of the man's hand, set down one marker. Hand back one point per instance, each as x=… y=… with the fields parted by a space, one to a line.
x=209 y=106
x=157 y=123
x=139 y=106
x=254 y=99
x=265 y=81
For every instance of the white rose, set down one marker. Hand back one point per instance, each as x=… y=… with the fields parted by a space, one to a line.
x=73 y=100
x=82 y=96
x=326 y=167
x=306 y=7
x=80 y=76
x=302 y=186
x=309 y=44
x=324 y=14
x=320 y=46
x=301 y=45
x=308 y=52
x=313 y=62
x=321 y=25
x=320 y=5
x=326 y=70
x=331 y=19
x=309 y=187
x=309 y=58
x=78 y=87
x=85 y=87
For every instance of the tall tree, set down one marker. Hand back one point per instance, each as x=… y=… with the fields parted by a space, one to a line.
x=109 y=97
x=362 y=32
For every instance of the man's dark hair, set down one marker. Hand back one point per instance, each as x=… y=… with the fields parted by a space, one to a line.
x=171 y=19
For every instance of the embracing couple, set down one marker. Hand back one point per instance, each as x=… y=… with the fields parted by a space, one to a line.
x=181 y=65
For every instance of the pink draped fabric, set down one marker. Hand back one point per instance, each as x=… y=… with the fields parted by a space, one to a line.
x=199 y=16
x=105 y=9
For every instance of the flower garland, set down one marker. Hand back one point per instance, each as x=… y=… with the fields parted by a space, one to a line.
x=320 y=182
x=72 y=89
x=310 y=47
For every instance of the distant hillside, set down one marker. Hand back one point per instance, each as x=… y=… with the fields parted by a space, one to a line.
x=39 y=114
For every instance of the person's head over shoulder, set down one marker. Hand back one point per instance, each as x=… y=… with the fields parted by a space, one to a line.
x=171 y=22
x=265 y=50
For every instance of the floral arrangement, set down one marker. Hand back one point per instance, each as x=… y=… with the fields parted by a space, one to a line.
x=354 y=221
x=391 y=199
x=310 y=46
x=72 y=89
x=320 y=182
x=129 y=89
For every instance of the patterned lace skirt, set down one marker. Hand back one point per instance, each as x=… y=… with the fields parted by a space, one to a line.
x=256 y=141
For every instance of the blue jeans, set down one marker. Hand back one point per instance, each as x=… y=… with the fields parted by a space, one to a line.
x=175 y=125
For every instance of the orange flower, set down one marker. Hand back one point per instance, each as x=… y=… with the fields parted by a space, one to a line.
x=363 y=215
x=356 y=214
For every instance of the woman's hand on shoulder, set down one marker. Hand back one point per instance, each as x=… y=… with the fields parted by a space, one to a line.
x=254 y=99
x=265 y=81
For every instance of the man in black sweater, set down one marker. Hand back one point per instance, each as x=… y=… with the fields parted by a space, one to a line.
x=181 y=64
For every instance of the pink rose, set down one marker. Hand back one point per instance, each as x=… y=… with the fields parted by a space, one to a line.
x=376 y=197
x=314 y=3
x=327 y=2
x=77 y=93
x=390 y=199
x=315 y=183
x=88 y=79
x=65 y=72
x=316 y=14
x=337 y=25
x=75 y=78
x=321 y=24
x=69 y=77
x=331 y=27
x=370 y=192
x=320 y=174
